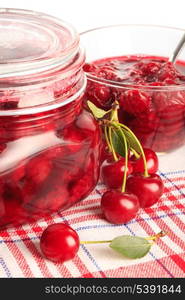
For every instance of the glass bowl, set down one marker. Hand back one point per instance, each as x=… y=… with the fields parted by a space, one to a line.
x=160 y=122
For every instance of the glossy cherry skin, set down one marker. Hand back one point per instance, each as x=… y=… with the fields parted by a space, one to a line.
x=59 y=242
x=118 y=207
x=151 y=162
x=147 y=189
x=113 y=171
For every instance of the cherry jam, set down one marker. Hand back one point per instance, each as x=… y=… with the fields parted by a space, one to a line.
x=151 y=94
x=49 y=145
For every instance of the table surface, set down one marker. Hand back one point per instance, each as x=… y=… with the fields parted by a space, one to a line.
x=20 y=252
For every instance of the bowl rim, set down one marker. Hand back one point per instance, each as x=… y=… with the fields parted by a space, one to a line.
x=116 y=84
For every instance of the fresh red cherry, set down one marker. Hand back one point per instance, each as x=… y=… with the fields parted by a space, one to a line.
x=119 y=207
x=59 y=242
x=113 y=172
x=151 y=162
x=147 y=189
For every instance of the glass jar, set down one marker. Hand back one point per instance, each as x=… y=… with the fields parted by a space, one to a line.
x=155 y=111
x=49 y=145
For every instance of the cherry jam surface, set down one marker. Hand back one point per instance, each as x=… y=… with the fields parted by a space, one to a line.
x=151 y=96
x=48 y=161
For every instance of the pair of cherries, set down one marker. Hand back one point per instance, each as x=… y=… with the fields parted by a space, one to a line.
x=141 y=191
x=59 y=242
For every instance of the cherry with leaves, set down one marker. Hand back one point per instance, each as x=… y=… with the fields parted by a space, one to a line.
x=60 y=243
x=144 y=183
x=118 y=206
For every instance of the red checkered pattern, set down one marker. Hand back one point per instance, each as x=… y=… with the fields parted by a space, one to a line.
x=20 y=253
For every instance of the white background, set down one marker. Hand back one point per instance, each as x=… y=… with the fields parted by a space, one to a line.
x=86 y=14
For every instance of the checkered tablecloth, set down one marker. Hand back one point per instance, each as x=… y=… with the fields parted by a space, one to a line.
x=20 y=253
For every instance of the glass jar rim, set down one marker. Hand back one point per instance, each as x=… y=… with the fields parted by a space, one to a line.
x=46 y=106
x=61 y=57
x=128 y=85
x=62 y=44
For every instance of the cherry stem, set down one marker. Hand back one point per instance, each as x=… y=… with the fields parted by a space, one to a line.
x=153 y=237
x=114 y=121
x=137 y=156
x=114 y=112
x=157 y=236
x=107 y=138
x=140 y=147
x=111 y=143
x=95 y=242
x=123 y=187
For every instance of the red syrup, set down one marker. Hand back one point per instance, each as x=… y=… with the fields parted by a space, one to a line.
x=151 y=94
x=48 y=162
x=49 y=144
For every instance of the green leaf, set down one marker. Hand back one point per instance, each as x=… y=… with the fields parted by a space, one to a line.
x=118 y=143
x=97 y=112
x=131 y=246
x=132 y=141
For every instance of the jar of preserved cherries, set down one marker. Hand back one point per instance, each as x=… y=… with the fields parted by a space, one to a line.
x=49 y=145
